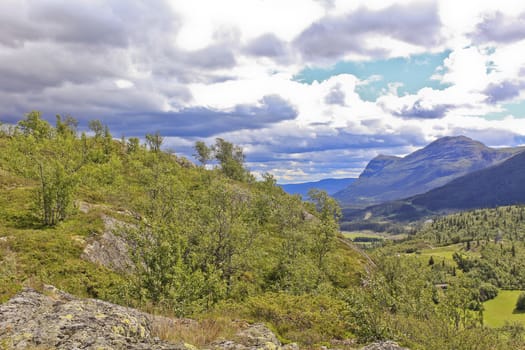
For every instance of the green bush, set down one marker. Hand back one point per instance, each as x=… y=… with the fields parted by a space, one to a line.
x=487 y=291
x=520 y=304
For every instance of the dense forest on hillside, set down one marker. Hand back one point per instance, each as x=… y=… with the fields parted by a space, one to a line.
x=210 y=241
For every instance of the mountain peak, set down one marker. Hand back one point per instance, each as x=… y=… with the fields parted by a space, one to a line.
x=455 y=140
x=387 y=178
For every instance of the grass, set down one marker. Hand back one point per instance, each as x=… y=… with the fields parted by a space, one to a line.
x=32 y=253
x=197 y=333
x=445 y=252
x=365 y=234
x=501 y=309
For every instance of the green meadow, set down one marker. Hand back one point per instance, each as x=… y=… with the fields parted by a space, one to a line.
x=501 y=309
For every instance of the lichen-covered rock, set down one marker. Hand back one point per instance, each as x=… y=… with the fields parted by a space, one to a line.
x=384 y=345
x=57 y=320
x=60 y=321
x=109 y=250
x=253 y=337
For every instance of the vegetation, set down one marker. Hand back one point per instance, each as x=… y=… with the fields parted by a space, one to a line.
x=501 y=310
x=213 y=243
x=520 y=304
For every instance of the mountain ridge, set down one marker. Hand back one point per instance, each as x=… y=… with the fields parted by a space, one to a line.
x=498 y=185
x=388 y=178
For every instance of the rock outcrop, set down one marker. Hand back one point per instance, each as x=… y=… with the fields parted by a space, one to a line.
x=110 y=250
x=385 y=345
x=57 y=320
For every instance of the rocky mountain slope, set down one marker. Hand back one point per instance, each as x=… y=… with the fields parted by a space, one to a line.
x=389 y=178
x=499 y=185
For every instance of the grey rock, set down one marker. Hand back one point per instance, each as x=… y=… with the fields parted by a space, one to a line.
x=384 y=345
x=110 y=250
x=60 y=321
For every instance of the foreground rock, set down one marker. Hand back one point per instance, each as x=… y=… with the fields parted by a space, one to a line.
x=60 y=321
x=57 y=320
x=386 y=345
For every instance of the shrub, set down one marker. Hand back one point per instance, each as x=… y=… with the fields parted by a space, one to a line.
x=520 y=304
x=487 y=291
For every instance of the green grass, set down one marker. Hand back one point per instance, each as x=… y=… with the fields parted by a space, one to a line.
x=501 y=309
x=445 y=252
x=366 y=234
x=31 y=254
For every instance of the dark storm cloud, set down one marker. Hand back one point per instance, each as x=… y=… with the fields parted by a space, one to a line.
x=332 y=37
x=500 y=28
x=342 y=140
x=206 y=122
x=503 y=91
x=37 y=66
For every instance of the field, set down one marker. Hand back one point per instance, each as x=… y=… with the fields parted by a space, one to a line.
x=445 y=252
x=364 y=234
x=501 y=309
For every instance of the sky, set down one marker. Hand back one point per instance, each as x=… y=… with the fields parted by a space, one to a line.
x=310 y=89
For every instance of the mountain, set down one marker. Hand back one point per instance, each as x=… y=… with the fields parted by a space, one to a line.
x=388 y=178
x=331 y=186
x=499 y=185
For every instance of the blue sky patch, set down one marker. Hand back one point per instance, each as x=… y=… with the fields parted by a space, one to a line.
x=413 y=72
x=517 y=109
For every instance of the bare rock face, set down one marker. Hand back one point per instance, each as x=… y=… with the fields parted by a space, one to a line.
x=254 y=337
x=109 y=250
x=60 y=321
x=385 y=345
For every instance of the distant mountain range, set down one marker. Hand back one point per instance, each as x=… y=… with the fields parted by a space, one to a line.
x=331 y=186
x=501 y=184
x=388 y=178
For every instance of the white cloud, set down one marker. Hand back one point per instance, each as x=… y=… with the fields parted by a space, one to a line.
x=236 y=60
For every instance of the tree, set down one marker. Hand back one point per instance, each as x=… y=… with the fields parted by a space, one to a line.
x=231 y=159
x=66 y=127
x=97 y=127
x=520 y=303
x=54 y=162
x=35 y=126
x=325 y=231
x=133 y=145
x=431 y=261
x=203 y=153
x=154 y=141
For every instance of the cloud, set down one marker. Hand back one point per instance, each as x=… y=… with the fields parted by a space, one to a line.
x=195 y=69
x=500 y=28
x=420 y=110
x=333 y=37
x=206 y=122
x=504 y=91
x=336 y=96
x=267 y=45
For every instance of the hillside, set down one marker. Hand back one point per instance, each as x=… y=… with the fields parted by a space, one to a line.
x=127 y=223
x=499 y=185
x=389 y=178
x=128 y=235
x=331 y=186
